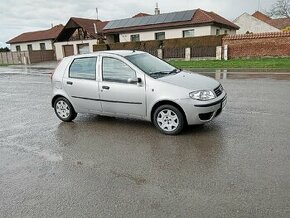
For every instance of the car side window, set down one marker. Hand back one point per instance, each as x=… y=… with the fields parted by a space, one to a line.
x=83 y=68
x=117 y=71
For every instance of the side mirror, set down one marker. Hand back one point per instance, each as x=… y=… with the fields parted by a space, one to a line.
x=134 y=80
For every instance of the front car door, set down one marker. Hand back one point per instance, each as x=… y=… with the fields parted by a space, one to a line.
x=81 y=84
x=118 y=96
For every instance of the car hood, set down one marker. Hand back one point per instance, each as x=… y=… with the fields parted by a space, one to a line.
x=192 y=81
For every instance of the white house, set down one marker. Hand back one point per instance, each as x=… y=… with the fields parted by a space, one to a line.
x=167 y=26
x=78 y=37
x=250 y=24
x=37 y=40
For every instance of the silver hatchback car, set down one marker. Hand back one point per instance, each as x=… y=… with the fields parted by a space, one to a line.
x=134 y=84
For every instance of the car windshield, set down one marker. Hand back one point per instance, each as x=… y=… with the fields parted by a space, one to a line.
x=151 y=65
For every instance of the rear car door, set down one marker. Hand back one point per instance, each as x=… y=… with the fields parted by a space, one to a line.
x=118 y=96
x=81 y=84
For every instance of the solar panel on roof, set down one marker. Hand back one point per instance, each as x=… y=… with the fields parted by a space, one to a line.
x=130 y=22
x=137 y=21
x=178 y=17
x=188 y=15
x=123 y=22
x=160 y=19
x=145 y=20
x=170 y=17
x=151 y=20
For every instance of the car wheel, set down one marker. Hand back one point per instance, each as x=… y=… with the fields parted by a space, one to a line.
x=169 y=119
x=64 y=110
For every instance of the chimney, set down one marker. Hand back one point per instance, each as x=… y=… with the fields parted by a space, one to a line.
x=157 y=11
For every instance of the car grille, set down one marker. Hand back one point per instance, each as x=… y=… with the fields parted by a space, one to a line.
x=218 y=91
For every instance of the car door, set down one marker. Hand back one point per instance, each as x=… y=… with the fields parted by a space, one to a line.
x=118 y=96
x=80 y=82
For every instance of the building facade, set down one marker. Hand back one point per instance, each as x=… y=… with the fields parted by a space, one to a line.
x=35 y=41
x=180 y=24
x=78 y=37
x=260 y=23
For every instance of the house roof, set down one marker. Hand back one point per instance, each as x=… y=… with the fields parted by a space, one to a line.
x=49 y=34
x=141 y=14
x=279 y=23
x=263 y=17
x=87 y=25
x=168 y=20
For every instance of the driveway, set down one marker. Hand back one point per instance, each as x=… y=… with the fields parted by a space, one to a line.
x=235 y=166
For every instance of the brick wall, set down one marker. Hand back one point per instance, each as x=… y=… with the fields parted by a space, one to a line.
x=258 y=45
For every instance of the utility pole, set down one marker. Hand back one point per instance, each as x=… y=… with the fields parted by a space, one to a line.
x=97 y=11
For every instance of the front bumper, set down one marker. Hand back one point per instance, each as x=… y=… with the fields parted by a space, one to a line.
x=198 y=112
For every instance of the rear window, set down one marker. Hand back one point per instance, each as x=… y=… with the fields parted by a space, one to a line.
x=83 y=68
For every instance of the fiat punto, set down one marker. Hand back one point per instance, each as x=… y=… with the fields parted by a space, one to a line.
x=134 y=84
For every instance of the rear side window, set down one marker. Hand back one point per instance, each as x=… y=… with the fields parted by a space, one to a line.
x=83 y=68
x=117 y=71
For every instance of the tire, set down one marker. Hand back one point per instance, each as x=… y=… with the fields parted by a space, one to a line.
x=64 y=110
x=168 y=120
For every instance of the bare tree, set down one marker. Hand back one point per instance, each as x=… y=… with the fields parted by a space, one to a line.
x=280 y=9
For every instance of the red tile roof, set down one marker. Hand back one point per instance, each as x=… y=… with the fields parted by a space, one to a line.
x=200 y=17
x=49 y=34
x=263 y=17
x=88 y=25
x=141 y=15
x=279 y=23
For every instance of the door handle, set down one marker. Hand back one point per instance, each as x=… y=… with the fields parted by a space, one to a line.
x=106 y=87
x=69 y=82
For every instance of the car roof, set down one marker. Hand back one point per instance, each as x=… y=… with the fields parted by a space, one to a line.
x=122 y=53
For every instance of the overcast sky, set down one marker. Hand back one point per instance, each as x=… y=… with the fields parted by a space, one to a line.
x=18 y=16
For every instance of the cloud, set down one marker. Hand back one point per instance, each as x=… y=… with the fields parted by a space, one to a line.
x=18 y=16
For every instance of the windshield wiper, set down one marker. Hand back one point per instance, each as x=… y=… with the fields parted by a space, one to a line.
x=158 y=74
x=175 y=71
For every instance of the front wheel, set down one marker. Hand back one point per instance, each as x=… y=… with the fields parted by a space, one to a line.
x=169 y=119
x=64 y=110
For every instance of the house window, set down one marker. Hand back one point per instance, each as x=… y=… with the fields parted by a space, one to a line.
x=160 y=36
x=29 y=47
x=135 y=38
x=42 y=46
x=226 y=32
x=187 y=33
x=18 y=48
x=217 y=32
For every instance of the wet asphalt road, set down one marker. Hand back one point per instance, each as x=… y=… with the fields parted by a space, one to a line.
x=235 y=166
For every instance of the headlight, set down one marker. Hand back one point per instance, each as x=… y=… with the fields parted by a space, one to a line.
x=202 y=95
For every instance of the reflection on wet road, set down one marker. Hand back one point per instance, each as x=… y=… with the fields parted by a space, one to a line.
x=235 y=166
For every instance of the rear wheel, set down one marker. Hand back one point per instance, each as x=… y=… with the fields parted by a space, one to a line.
x=169 y=119
x=64 y=110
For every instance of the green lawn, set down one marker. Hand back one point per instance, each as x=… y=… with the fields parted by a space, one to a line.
x=261 y=63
